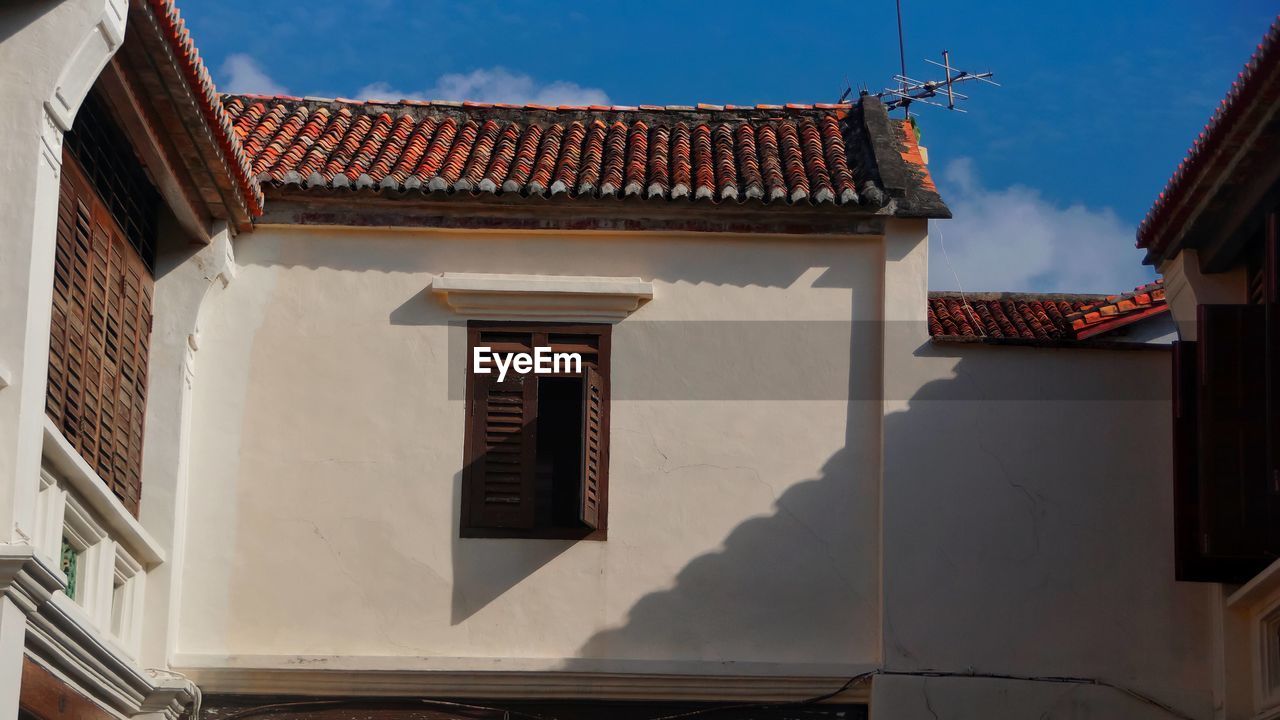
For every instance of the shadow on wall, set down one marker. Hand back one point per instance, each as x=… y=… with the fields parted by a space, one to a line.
x=16 y=16
x=1007 y=547
x=1028 y=515
x=797 y=586
x=484 y=570
x=763 y=262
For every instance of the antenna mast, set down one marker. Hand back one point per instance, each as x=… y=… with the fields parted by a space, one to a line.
x=902 y=59
x=910 y=90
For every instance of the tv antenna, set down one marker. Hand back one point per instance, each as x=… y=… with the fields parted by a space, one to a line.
x=939 y=93
x=929 y=92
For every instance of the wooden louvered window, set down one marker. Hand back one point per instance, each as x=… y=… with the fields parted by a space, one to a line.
x=1227 y=432
x=99 y=335
x=537 y=444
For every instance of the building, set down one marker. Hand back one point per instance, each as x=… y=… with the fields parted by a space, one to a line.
x=1212 y=233
x=247 y=473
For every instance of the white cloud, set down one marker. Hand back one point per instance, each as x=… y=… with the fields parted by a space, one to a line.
x=242 y=74
x=1013 y=239
x=493 y=85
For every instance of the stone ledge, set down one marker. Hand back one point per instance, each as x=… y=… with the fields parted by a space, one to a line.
x=545 y=297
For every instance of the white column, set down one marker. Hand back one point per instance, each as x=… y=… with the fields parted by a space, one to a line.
x=180 y=294
x=58 y=54
x=1186 y=288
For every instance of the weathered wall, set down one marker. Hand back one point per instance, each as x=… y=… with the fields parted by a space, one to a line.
x=1021 y=523
x=327 y=452
x=1027 y=527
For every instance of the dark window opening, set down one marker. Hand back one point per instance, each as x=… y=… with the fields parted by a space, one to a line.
x=116 y=174
x=537 y=444
x=558 y=460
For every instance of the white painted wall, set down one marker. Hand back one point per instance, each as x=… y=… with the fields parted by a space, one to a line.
x=1022 y=522
x=327 y=451
x=1027 y=527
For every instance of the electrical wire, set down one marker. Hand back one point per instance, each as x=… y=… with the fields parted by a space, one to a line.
x=304 y=704
x=1061 y=680
x=814 y=700
x=964 y=302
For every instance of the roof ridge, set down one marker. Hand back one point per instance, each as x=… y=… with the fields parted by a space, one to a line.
x=465 y=104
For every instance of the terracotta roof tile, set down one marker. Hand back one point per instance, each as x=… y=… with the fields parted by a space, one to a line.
x=771 y=154
x=209 y=103
x=1039 y=318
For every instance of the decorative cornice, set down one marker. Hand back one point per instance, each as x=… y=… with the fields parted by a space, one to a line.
x=542 y=297
x=59 y=636
x=25 y=579
x=78 y=75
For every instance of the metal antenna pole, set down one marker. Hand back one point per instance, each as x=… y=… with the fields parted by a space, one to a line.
x=951 y=97
x=902 y=61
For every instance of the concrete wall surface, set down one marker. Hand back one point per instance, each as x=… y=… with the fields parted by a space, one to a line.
x=327 y=454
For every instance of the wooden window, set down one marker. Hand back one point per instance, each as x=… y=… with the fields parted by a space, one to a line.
x=537 y=445
x=1226 y=503
x=1227 y=431
x=99 y=336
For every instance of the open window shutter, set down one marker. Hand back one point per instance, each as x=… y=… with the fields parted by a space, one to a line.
x=1186 y=461
x=503 y=447
x=99 y=336
x=593 y=448
x=1231 y=475
x=1271 y=303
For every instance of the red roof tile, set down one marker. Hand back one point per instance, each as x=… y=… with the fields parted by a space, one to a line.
x=1039 y=317
x=793 y=155
x=1249 y=88
x=209 y=103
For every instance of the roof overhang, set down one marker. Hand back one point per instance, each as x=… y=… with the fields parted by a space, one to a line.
x=1232 y=166
x=158 y=86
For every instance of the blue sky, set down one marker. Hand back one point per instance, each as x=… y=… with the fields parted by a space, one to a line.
x=1048 y=175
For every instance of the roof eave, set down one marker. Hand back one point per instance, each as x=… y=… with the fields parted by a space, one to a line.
x=166 y=65
x=1215 y=154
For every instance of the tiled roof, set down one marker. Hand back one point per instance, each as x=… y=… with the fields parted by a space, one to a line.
x=186 y=57
x=1039 y=317
x=1258 y=84
x=777 y=155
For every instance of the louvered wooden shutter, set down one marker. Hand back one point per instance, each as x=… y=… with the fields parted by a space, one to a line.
x=1271 y=304
x=1234 y=503
x=1186 y=462
x=593 y=448
x=99 y=337
x=502 y=452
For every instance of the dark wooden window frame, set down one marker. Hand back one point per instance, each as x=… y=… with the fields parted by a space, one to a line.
x=100 y=334
x=1226 y=437
x=472 y=444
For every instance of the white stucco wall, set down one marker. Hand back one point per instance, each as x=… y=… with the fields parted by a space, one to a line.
x=1028 y=529
x=326 y=459
x=1021 y=524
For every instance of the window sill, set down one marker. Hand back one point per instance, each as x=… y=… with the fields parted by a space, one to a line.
x=1262 y=585
x=542 y=297
x=535 y=534
x=120 y=523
